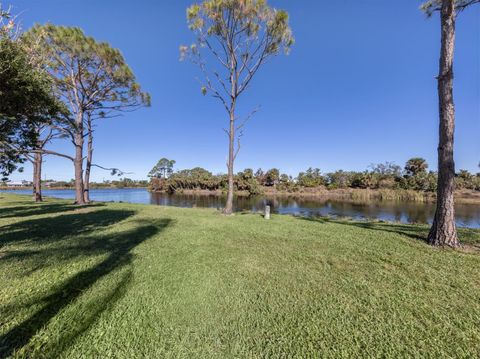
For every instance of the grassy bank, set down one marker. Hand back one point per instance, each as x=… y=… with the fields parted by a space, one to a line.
x=131 y=281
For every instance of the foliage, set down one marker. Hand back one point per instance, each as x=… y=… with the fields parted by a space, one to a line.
x=421 y=182
x=246 y=181
x=240 y=35
x=430 y=6
x=386 y=176
x=338 y=179
x=92 y=72
x=386 y=169
x=310 y=178
x=271 y=178
x=359 y=179
x=287 y=183
x=416 y=166
x=163 y=169
x=26 y=102
x=259 y=175
x=195 y=178
x=466 y=180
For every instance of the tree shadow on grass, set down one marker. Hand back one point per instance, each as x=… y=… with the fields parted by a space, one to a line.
x=54 y=229
x=468 y=236
x=65 y=297
x=36 y=209
x=411 y=231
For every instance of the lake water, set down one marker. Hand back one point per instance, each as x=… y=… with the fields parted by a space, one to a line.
x=468 y=215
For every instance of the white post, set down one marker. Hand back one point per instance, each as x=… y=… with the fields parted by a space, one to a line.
x=267 y=212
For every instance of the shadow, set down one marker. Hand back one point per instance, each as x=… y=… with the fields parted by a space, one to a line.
x=411 y=231
x=53 y=229
x=65 y=297
x=469 y=238
x=41 y=208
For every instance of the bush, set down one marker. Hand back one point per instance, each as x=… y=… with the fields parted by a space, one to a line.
x=310 y=178
x=344 y=179
x=246 y=181
x=466 y=180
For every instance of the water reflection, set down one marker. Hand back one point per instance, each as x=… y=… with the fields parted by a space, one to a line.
x=468 y=215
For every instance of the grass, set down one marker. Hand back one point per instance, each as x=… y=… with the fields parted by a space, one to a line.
x=137 y=281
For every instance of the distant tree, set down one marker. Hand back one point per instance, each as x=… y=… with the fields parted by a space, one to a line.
x=416 y=166
x=163 y=169
x=260 y=176
x=465 y=179
x=94 y=82
x=248 y=173
x=310 y=178
x=444 y=231
x=246 y=181
x=284 y=178
x=286 y=183
x=272 y=176
x=386 y=169
x=363 y=180
x=195 y=178
x=338 y=179
x=241 y=35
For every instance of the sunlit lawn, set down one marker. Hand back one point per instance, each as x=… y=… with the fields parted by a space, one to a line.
x=137 y=281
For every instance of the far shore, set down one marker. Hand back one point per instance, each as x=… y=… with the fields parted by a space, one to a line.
x=348 y=194
x=23 y=188
x=461 y=196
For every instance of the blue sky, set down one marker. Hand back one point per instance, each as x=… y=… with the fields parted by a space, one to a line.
x=358 y=88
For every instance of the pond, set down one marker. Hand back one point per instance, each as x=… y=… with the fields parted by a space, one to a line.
x=468 y=215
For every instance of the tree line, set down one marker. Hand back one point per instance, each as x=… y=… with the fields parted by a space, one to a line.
x=122 y=182
x=413 y=176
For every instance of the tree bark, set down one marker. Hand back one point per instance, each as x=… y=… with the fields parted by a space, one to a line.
x=231 y=132
x=88 y=165
x=78 y=163
x=231 y=157
x=37 y=177
x=444 y=231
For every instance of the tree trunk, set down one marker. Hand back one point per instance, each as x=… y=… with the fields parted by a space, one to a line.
x=37 y=177
x=88 y=165
x=231 y=133
x=78 y=163
x=444 y=231
x=231 y=157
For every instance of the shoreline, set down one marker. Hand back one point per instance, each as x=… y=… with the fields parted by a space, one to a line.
x=321 y=201
x=348 y=194
x=62 y=188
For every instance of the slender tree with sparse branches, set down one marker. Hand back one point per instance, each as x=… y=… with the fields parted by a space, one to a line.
x=444 y=231
x=237 y=37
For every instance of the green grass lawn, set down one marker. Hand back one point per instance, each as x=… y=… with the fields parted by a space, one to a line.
x=137 y=281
